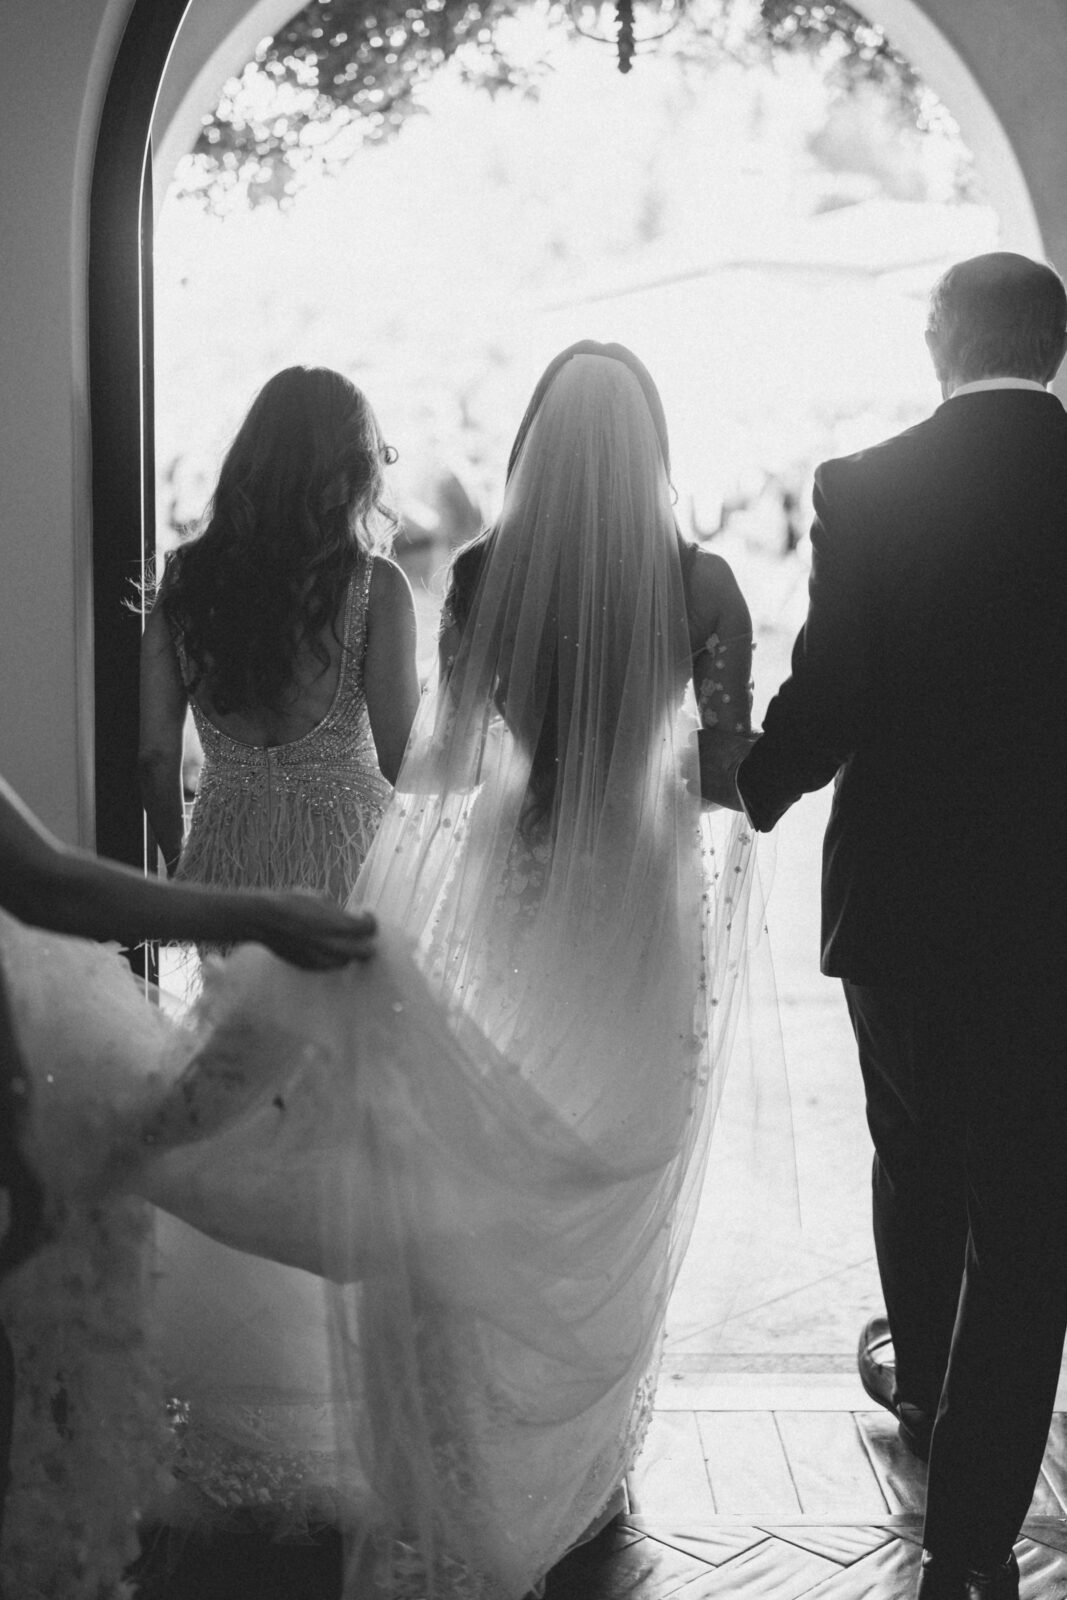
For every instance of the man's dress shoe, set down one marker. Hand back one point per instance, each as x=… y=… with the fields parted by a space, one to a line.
x=950 y=1580
x=878 y=1374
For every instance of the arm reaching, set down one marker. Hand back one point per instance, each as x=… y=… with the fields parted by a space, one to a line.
x=390 y=678
x=721 y=755
x=722 y=676
x=51 y=885
x=306 y=930
x=722 y=659
x=818 y=717
x=159 y=758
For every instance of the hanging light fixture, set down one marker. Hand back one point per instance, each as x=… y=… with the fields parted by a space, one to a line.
x=626 y=39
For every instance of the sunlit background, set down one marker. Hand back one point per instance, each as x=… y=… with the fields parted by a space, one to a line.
x=762 y=240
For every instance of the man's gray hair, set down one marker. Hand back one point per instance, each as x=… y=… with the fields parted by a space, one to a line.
x=999 y=315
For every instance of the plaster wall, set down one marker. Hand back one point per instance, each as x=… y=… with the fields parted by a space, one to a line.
x=1017 y=55
x=1002 y=71
x=54 y=66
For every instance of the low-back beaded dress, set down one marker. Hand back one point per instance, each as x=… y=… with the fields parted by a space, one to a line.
x=300 y=814
x=252 y=1403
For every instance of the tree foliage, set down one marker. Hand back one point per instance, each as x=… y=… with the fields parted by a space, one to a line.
x=857 y=48
x=343 y=73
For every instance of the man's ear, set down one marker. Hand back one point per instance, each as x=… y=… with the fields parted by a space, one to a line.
x=1055 y=367
x=941 y=367
x=934 y=346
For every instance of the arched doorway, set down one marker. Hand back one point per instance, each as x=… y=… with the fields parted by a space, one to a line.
x=134 y=495
x=952 y=44
x=120 y=360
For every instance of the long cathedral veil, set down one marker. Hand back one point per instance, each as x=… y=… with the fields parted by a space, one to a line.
x=585 y=924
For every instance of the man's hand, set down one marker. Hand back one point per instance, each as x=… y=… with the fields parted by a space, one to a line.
x=314 y=933
x=720 y=756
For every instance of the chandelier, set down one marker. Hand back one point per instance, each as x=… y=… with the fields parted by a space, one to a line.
x=626 y=39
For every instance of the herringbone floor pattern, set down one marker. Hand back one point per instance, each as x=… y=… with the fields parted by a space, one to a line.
x=641 y=1558
x=784 y=1504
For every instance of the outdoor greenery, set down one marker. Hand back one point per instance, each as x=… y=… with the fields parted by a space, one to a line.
x=344 y=73
x=860 y=52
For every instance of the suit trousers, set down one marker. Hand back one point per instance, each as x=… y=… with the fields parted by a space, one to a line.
x=966 y=1084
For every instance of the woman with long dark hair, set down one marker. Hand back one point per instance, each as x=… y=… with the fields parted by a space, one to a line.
x=292 y=635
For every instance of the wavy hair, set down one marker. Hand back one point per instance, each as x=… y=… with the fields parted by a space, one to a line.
x=298 y=502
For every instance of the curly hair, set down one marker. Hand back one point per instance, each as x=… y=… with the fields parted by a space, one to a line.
x=298 y=503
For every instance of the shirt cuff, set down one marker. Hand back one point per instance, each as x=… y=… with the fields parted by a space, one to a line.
x=737 y=790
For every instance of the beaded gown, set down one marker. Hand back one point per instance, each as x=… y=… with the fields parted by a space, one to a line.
x=247 y=1371
x=295 y=815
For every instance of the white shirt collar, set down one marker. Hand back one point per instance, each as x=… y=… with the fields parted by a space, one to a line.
x=981 y=384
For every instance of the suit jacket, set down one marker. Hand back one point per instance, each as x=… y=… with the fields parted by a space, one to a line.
x=930 y=681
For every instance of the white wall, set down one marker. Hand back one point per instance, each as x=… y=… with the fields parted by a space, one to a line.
x=1001 y=68
x=54 y=65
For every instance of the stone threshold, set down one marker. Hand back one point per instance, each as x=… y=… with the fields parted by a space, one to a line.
x=717 y=1383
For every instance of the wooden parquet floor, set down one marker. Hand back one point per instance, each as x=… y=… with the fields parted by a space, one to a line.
x=640 y=1558
x=779 y=1505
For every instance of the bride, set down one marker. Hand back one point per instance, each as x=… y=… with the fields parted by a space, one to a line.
x=456 y=1184
x=567 y=899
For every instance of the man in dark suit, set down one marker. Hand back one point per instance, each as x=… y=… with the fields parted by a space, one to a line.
x=930 y=682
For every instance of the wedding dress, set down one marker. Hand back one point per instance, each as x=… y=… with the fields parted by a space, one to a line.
x=447 y=1193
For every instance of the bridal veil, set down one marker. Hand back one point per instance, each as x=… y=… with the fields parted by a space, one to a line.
x=586 y=924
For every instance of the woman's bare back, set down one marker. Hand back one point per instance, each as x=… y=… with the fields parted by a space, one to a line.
x=307 y=699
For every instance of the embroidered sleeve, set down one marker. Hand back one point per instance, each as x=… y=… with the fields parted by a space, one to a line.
x=448 y=636
x=722 y=678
